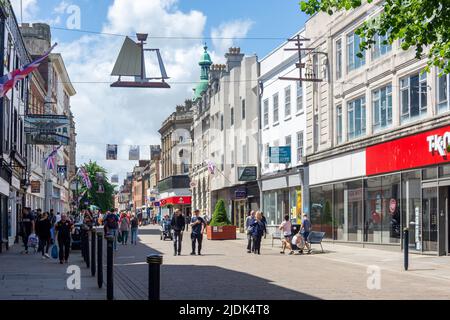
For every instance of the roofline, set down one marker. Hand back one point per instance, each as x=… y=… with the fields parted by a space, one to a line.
x=281 y=45
x=65 y=75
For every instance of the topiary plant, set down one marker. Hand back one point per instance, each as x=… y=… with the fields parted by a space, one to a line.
x=220 y=218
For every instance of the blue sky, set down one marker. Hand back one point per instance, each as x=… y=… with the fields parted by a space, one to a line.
x=127 y=117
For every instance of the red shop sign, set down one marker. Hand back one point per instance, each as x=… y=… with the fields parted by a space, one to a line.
x=175 y=201
x=420 y=150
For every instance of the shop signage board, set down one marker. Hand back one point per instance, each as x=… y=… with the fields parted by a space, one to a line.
x=47 y=129
x=240 y=194
x=247 y=173
x=280 y=155
x=35 y=187
x=175 y=201
x=415 y=151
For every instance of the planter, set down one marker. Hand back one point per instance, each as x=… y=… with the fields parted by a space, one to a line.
x=221 y=233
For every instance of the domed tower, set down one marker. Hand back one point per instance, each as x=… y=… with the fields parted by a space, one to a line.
x=205 y=63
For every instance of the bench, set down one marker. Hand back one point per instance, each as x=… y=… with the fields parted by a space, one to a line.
x=276 y=235
x=316 y=238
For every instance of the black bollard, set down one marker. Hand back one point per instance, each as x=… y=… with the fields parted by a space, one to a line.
x=86 y=249
x=100 y=260
x=93 y=239
x=154 y=276
x=82 y=245
x=406 y=248
x=109 y=268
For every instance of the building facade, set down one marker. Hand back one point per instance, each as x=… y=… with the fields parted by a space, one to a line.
x=377 y=139
x=174 y=186
x=283 y=124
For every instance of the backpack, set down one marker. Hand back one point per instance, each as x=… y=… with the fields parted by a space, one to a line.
x=111 y=223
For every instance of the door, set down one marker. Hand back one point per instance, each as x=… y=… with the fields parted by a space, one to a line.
x=430 y=219
x=443 y=245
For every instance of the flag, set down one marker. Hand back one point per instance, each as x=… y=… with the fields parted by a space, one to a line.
x=51 y=158
x=211 y=167
x=134 y=153
x=85 y=176
x=7 y=82
x=111 y=152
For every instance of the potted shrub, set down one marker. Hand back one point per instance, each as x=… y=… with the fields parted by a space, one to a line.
x=220 y=228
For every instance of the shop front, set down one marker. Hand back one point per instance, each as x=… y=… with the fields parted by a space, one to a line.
x=284 y=195
x=170 y=204
x=378 y=192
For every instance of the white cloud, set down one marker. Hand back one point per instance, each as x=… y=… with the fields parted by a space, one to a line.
x=61 y=7
x=224 y=36
x=29 y=9
x=130 y=116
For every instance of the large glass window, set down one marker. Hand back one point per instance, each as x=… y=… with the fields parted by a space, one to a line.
x=353 y=198
x=353 y=61
x=443 y=104
x=430 y=219
x=412 y=208
x=444 y=171
x=270 y=207
x=287 y=102
x=338 y=59
x=339 y=123
x=275 y=109
x=382 y=108
x=356 y=118
x=266 y=113
x=321 y=210
x=340 y=213
x=381 y=46
x=413 y=96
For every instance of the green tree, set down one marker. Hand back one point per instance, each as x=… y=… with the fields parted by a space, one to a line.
x=220 y=218
x=102 y=200
x=419 y=23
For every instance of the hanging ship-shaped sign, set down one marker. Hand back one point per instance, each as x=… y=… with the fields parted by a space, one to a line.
x=131 y=63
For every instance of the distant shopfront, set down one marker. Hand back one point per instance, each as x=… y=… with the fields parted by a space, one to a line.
x=375 y=193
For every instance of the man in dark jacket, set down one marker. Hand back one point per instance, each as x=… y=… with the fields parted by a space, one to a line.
x=178 y=224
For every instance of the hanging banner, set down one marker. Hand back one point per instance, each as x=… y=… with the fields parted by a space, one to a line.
x=155 y=153
x=35 y=187
x=47 y=129
x=115 y=178
x=299 y=208
x=134 y=153
x=111 y=152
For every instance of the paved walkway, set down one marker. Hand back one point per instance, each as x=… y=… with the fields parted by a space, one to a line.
x=227 y=271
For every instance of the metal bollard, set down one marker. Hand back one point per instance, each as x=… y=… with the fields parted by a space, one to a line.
x=109 y=268
x=82 y=246
x=100 y=260
x=154 y=276
x=406 y=248
x=93 y=239
x=86 y=249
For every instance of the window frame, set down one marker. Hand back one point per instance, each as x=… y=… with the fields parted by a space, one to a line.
x=351 y=107
x=422 y=82
x=338 y=54
x=287 y=101
x=444 y=105
x=339 y=124
x=353 y=61
x=300 y=107
x=377 y=99
x=266 y=113
x=300 y=145
x=276 y=111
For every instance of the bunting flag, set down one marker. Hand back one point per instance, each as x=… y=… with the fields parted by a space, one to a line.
x=7 y=82
x=134 y=153
x=211 y=167
x=85 y=176
x=111 y=152
x=115 y=178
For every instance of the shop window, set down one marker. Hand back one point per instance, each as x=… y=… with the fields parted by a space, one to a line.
x=444 y=171
x=270 y=207
x=429 y=219
x=321 y=210
x=339 y=211
x=429 y=173
x=353 y=201
x=413 y=97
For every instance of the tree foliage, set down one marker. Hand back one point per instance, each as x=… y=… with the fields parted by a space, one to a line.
x=421 y=24
x=102 y=200
x=220 y=218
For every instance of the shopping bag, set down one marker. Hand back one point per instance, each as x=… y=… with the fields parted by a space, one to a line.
x=119 y=237
x=55 y=252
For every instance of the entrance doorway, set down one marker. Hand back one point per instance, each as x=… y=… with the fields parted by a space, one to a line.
x=239 y=214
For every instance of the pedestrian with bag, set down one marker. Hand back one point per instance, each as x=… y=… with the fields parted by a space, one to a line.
x=198 y=225
x=178 y=224
x=286 y=228
x=63 y=230
x=111 y=227
x=43 y=227
x=27 y=226
x=257 y=232
x=248 y=227
x=134 y=229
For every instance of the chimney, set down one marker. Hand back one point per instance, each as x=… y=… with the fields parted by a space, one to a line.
x=234 y=58
x=216 y=70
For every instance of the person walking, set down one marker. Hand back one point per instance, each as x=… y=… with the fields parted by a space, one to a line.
x=305 y=231
x=264 y=221
x=134 y=229
x=188 y=220
x=124 y=228
x=257 y=232
x=43 y=227
x=63 y=231
x=198 y=225
x=27 y=226
x=111 y=225
x=286 y=228
x=248 y=227
x=178 y=224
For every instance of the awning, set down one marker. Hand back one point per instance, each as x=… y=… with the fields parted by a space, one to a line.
x=176 y=201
